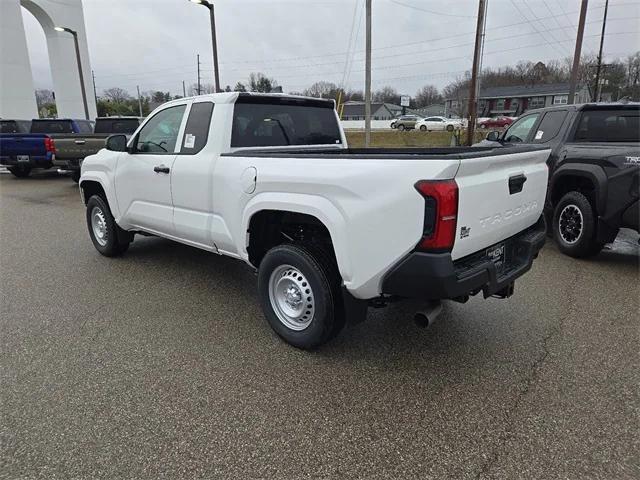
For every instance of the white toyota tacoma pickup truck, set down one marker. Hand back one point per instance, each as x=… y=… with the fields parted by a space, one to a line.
x=269 y=179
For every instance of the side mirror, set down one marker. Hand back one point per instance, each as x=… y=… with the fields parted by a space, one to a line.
x=116 y=143
x=493 y=136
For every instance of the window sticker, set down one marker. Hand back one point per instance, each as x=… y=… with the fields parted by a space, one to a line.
x=539 y=135
x=189 y=140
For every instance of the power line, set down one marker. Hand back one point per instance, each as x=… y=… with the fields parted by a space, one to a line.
x=398 y=2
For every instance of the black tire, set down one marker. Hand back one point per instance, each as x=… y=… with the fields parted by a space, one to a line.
x=321 y=273
x=75 y=176
x=393 y=125
x=116 y=240
x=401 y=127
x=574 y=226
x=20 y=172
x=483 y=126
x=449 y=128
x=423 y=128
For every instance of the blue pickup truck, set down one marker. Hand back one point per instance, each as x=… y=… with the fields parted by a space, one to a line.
x=26 y=145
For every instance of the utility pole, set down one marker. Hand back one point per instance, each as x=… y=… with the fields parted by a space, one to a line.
x=576 y=54
x=139 y=100
x=184 y=90
x=596 y=90
x=214 y=43
x=475 y=72
x=198 y=74
x=367 y=81
x=95 y=95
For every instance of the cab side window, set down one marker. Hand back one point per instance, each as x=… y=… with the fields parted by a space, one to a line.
x=521 y=129
x=196 y=131
x=549 y=126
x=160 y=133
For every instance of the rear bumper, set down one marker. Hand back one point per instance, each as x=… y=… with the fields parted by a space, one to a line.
x=34 y=161
x=67 y=164
x=435 y=276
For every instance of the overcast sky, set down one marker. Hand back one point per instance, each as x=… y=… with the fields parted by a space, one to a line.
x=153 y=43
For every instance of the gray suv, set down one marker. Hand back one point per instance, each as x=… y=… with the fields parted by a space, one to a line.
x=405 y=122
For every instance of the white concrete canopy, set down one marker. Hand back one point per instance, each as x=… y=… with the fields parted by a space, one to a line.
x=17 y=94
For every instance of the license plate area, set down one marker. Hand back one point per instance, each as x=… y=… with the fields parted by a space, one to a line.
x=22 y=158
x=497 y=254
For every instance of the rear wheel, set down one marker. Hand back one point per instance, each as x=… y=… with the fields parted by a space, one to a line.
x=299 y=291
x=483 y=126
x=401 y=127
x=449 y=128
x=107 y=237
x=574 y=226
x=20 y=171
x=423 y=128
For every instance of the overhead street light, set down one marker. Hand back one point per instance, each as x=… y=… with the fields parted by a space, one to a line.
x=214 y=43
x=75 y=41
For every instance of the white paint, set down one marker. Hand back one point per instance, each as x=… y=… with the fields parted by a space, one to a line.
x=17 y=95
x=369 y=205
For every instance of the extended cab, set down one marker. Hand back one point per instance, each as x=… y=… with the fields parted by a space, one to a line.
x=594 y=170
x=269 y=179
x=22 y=152
x=72 y=148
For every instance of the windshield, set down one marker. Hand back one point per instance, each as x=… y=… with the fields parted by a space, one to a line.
x=279 y=124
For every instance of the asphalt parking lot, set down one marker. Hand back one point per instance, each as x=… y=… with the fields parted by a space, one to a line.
x=159 y=364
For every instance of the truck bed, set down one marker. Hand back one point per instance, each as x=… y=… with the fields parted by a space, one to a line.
x=411 y=153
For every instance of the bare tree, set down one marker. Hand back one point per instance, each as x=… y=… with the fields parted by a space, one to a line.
x=387 y=95
x=427 y=95
x=116 y=95
x=322 y=89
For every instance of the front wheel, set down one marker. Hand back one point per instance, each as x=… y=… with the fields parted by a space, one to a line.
x=20 y=172
x=449 y=128
x=299 y=292
x=423 y=128
x=483 y=126
x=107 y=237
x=574 y=226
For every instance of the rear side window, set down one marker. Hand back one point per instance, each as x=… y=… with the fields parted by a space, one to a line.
x=609 y=126
x=549 y=126
x=85 y=126
x=281 y=124
x=51 y=126
x=196 y=131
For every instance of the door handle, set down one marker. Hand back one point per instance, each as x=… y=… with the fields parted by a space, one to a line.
x=161 y=169
x=516 y=183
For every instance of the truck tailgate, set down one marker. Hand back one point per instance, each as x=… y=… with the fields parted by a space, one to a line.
x=498 y=196
x=78 y=146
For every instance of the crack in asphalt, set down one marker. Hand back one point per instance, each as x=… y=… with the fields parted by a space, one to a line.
x=531 y=379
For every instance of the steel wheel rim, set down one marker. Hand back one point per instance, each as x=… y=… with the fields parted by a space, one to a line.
x=571 y=224
x=291 y=297
x=99 y=226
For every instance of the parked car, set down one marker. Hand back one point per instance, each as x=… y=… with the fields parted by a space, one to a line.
x=268 y=179
x=405 y=122
x=71 y=149
x=497 y=122
x=594 y=170
x=22 y=152
x=434 y=124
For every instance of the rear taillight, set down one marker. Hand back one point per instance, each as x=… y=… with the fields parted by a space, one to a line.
x=440 y=214
x=49 y=145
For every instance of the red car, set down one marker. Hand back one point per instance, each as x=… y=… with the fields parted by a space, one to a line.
x=497 y=122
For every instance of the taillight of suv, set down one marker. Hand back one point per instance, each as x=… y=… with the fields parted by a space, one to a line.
x=440 y=214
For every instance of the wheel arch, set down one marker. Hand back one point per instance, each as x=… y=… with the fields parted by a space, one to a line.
x=93 y=185
x=587 y=179
x=265 y=216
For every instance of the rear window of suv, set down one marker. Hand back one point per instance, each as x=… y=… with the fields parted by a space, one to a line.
x=609 y=126
x=274 y=122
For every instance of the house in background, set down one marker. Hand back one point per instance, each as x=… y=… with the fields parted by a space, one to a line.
x=379 y=111
x=433 y=110
x=513 y=101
